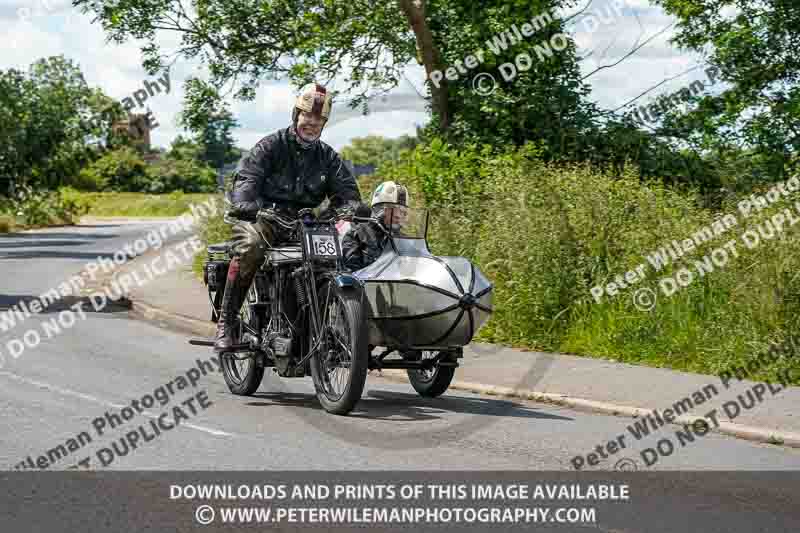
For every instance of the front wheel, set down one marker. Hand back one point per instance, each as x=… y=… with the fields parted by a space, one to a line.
x=339 y=366
x=434 y=381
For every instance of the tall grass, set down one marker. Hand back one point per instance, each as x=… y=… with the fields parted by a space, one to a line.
x=546 y=235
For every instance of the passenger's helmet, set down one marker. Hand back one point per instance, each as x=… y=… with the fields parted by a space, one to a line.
x=393 y=196
x=315 y=99
x=390 y=192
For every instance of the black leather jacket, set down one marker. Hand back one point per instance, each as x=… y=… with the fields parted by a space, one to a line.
x=279 y=171
x=362 y=245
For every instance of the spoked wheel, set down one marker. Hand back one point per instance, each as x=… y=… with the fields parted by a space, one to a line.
x=241 y=373
x=339 y=367
x=434 y=381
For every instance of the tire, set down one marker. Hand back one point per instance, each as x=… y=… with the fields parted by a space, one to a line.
x=243 y=375
x=431 y=383
x=344 y=312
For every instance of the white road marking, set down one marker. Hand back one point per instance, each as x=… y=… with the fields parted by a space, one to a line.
x=88 y=398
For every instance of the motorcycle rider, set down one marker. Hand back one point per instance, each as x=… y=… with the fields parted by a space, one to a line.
x=287 y=170
x=365 y=242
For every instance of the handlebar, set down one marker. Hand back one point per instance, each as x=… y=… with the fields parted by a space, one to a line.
x=304 y=216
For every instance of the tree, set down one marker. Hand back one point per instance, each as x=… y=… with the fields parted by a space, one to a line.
x=216 y=140
x=49 y=121
x=184 y=148
x=375 y=150
x=368 y=44
x=122 y=169
x=754 y=123
x=43 y=126
x=209 y=119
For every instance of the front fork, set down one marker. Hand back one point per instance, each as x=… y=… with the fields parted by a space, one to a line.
x=309 y=287
x=311 y=290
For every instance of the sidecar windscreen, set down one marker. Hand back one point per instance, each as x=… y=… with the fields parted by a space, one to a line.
x=417 y=299
x=404 y=222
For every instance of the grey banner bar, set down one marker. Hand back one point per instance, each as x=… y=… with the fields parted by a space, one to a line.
x=171 y=501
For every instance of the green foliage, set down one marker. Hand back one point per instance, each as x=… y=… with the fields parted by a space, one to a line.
x=32 y=208
x=367 y=45
x=217 y=141
x=117 y=170
x=750 y=128
x=545 y=235
x=72 y=204
x=442 y=173
x=213 y=229
x=7 y=224
x=43 y=126
x=752 y=123
x=185 y=175
x=212 y=124
x=537 y=105
x=134 y=204
x=51 y=124
x=125 y=170
x=183 y=148
x=376 y=150
x=91 y=178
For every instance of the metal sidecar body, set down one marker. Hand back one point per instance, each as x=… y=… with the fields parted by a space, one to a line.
x=420 y=301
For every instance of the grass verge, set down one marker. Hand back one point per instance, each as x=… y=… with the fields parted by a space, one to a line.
x=7 y=224
x=134 y=204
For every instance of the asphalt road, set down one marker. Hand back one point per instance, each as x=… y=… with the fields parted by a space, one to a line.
x=60 y=388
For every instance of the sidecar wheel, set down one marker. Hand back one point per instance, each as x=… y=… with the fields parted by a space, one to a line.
x=431 y=383
x=242 y=375
x=339 y=374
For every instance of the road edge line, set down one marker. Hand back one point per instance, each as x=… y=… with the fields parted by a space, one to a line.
x=749 y=433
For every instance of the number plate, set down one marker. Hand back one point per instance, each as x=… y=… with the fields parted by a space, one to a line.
x=323 y=245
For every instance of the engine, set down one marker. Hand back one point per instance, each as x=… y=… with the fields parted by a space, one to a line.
x=278 y=347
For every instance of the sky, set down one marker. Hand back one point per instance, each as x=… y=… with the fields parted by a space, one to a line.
x=607 y=31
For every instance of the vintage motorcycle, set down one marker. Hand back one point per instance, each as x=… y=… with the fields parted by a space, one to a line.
x=305 y=314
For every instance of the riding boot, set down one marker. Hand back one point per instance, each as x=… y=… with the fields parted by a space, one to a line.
x=238 y=282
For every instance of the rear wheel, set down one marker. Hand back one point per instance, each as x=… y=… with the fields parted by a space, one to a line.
x=434 y=381
x=241 y=373
x=339 y=367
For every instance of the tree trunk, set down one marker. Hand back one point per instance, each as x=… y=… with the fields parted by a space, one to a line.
x=415 y=13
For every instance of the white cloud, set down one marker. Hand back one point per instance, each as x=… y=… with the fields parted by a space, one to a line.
x=389 y=124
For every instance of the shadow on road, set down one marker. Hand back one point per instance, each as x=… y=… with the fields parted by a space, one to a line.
x=58 y=235
x=41 y=242
x=44 y=254
x=7 y=301
x=398 y=406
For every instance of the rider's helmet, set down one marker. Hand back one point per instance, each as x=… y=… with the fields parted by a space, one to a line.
x=390 y=203
x=316 y=100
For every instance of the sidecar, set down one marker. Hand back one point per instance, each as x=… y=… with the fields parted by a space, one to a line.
x=419 y=301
